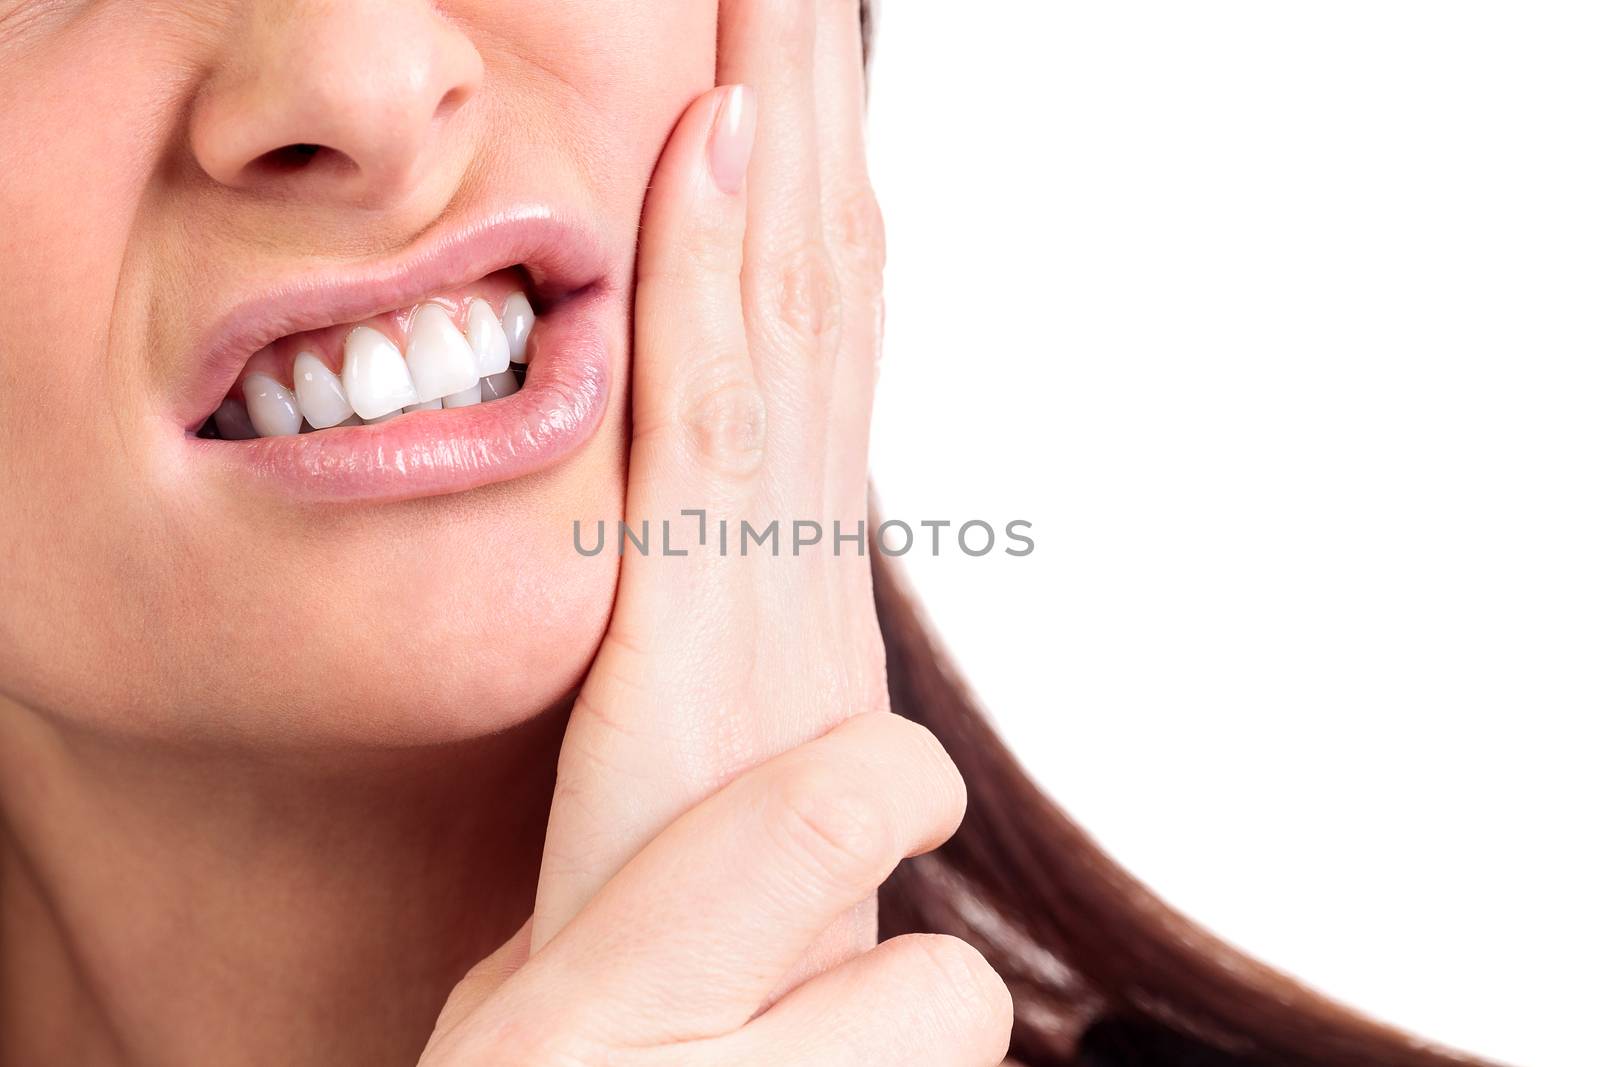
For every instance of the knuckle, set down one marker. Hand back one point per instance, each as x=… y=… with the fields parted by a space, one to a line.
x=727 y=427
x=694 y=260
x=936 y=759
x=907 y=734
x=803 y=298
x=858 y=236
x=935 y=793
x=919 y=747
x=977 y=996
x=832 y=827
x=710 y=248
x=699 y=248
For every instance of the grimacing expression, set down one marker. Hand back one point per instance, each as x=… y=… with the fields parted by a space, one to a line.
x=160 y=177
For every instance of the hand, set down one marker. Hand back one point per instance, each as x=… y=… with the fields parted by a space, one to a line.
x=732 y=787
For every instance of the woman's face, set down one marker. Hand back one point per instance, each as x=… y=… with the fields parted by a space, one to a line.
x=198 y=191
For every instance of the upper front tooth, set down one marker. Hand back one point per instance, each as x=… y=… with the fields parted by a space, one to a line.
x=440 y=359
x=488 y=339
x=375 y=377
x=320 y=393
x=273 y=410
x=518 y=318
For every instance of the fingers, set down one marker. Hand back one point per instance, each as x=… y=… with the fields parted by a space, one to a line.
x=716 y=661
x=628 y=762
x=853 y=232
x=921 y=1000
x=771 y=45
x=673 y=960
x=691 y=364
x=791 y=294
x=841 y=97
x=702 y=926
x=850 y=221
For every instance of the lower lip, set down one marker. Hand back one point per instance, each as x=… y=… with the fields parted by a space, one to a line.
x=431 y=453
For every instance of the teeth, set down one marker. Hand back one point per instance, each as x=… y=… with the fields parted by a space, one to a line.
x=440 y=368
x=518 y=318
x=440 y=360
x=496 y=386
x=490 y=346
x=466 y=398
x=375 y=377
x=320 y=393
x=273 y=410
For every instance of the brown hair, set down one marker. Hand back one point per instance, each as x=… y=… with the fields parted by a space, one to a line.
x=1101 y=972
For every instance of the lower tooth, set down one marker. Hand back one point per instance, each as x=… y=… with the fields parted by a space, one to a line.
x=432 y=405
x=499 y=385
x=467 y=397
x=383 y=418
x=233 y=421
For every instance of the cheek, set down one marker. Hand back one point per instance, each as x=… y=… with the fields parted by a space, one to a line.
x=626 y=70
x=138 y=602
x=71 y=415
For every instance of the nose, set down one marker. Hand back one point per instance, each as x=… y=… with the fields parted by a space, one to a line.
x=349 y=100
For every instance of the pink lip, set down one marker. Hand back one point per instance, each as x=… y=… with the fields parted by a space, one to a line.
x=430 y=452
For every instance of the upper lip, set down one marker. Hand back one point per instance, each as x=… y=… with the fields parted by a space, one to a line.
x=560 y=257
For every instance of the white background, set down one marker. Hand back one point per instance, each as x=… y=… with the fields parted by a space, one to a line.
x=1281 y=322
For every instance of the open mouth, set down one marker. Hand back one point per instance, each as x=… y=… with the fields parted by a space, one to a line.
x=403 y=379
x=454 y=350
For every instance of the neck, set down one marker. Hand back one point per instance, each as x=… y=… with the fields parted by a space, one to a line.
x=159 y=904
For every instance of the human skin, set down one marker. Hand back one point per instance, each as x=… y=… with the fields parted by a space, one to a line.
x=276 y=772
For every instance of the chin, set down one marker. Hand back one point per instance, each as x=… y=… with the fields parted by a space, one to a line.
x=442 y=619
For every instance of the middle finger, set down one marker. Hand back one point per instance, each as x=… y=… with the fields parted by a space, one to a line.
x=790 y=291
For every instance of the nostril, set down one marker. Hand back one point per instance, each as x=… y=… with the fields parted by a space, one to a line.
x=451 y=102
x=292 y=158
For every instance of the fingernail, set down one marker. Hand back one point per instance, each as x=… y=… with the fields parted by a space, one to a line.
x=733 y=135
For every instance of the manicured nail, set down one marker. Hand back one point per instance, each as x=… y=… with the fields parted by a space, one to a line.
x=733 y=135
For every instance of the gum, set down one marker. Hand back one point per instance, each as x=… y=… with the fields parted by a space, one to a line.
x=277 y=359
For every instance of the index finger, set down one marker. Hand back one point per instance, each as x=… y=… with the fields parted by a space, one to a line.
x=731 y=895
